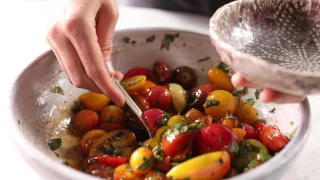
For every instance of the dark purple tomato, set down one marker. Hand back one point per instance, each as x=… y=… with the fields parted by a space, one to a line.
x=185 y=76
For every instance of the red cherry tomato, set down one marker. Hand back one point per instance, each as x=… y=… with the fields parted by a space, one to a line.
x=162 y=71
x=164 y=165
x=159 y=97
x=112 y=161
x=259 y=128
x=215 y=137
x=155 y=118
x=250 y=132
x=273 y=138
x=172 y=145
x=141 y=71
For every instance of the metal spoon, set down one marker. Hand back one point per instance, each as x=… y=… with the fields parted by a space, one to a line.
x=131 y=104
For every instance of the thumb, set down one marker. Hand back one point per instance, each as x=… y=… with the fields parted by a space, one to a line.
x=106 y=20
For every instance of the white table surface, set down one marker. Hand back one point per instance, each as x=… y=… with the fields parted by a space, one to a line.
x=22 y=38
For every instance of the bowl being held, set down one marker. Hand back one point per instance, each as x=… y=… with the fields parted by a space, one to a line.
x=41 y=111
x=271 y=42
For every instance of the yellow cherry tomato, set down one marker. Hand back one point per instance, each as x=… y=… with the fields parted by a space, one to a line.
x=219 y=103
x=220 y=79
x=93 y=101
x=246 y=113
x=124 y=172
x=89 y=138
x=141 y=160
x=176 y=119
x=153 y=175
x=210 y=166
x=112 y=114
x=134 y=84
x=193 y=114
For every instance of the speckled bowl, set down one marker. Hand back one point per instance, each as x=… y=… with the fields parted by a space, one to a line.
x=276 y=42
x=38 y=114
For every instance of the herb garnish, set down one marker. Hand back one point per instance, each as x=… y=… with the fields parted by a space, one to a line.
x=240 y=92
x=57 y=89
x=272 y=110
x=224 y=67
x=250 y=101
x=203 y=59
x=234 y=147
x=54 y=143
x=65 y=163
x=257 y=93
x=291 y=123
x=209 y=103
x=219 y=161
x=168 y=39
x=129 y=40
x=163 y=121
x=57 y=154
x=151 y=38
x=147 y=163
x=118 y=136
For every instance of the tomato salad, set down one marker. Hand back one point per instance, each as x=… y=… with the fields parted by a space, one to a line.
x=202 y=131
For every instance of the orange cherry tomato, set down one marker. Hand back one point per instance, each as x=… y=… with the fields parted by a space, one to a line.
x=93 y=101
x=219 y=103
x=220 y=79
x=89 y=138
x=124 y=171
x=193 y=114
x=141 y=160
x=144 y=91
x=246 y=113
x=113 y=114
x=230 y=122
x=240 y=133
x=85 y=120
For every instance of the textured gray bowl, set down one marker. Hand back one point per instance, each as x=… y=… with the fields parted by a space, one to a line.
x=38 y=114
x=276 y=42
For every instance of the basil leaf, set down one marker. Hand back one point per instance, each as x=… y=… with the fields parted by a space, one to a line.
x=129 y=40
x=204 y=59
x=250 y=101
x=57 y=89
x=234 y=147
x=54 y=143
x=257 y=93
x=209 y=103
x=147 y=163
x=241 y=92
x=151 y=38
x=168 y=39
x=224 y=67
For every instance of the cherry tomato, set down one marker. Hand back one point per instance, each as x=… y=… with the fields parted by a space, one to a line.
x=176 y=119
x=144 y=91
x=185 y=76
x=159 y=97
x=250 y=132
x=108 y=127
x=154 y=175
x=230 y=122
x=155 y=118
x=183 y=154
x=199 y=94
x=113 y=114
x=85 y=120
x=141 y=71
x=124 y=171
x=112 y=161
x=215 y=137
x=141 y=102
x=173 y=144
x=89 y=138
x=101 y=170
x=134 y=83
x=162 y=71
x=164 y=165
x=220 y=79
x=219 y=103
x=240 y=133
x=259 y=128
x=141 y=160
x=273 y=138
x=93 y=101
x=246 y=113
x=193 y=114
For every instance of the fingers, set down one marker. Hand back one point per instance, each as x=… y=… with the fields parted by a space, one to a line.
x=267 y=95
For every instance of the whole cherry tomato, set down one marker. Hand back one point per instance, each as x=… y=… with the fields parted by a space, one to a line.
x=162 y=71
x=215 y=137
x=141 y=71
x=185 y=76
x=273 y=138
x=159 y=97
x=199 y=94
x=155 y=118
x=85 y=120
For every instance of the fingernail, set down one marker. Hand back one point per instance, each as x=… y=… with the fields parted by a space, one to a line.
x=110 y=66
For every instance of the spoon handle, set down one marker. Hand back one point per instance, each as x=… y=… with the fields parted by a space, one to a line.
x=131 y=104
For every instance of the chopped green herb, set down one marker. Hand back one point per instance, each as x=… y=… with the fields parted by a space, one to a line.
x=272 y=110
x=203 y=59
x=151 y=38
x=129 y=40
x=54 y=143
x=57 y=154
x=104 y=150
x=234 y=147
x=19 y=122
x=65 y=163
x=224 y=67
x=57 y=89
x=65 y=101
x=291 y=123
x=168 y=39
x=219 y=161
x=118 y=136
x=163 y=121
x=241 y=92
x=209 y=103
x=158 y=153
x=118 y=151
x=147 y=163
x=238 y=101
x=250 y=101
x=257 y=93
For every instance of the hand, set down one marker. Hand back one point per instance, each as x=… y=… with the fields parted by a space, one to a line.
x=82 y=42
x=266 y=95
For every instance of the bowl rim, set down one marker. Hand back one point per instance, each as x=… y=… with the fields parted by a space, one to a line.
x=220 y=43
x=69 y=173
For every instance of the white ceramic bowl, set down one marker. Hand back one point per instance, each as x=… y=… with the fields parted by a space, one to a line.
x=38 y=114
